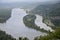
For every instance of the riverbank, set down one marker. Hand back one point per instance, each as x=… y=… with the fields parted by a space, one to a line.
x=48 y=23
x=32 y=21
x=5 y=14
x=5 y=36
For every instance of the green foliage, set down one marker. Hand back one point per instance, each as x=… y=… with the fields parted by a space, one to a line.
x=4 y=36
x=51 y=36
x=20 y=38
x=25 y=38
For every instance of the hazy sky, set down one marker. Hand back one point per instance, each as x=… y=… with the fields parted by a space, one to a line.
x=9 y=1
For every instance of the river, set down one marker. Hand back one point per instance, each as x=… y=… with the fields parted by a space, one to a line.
x=39 y=22
x=15 y=26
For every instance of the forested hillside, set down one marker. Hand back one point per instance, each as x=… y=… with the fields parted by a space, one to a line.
x=51 y=36
x=4 y=36
x=5 y=14
x=44 y=9
x=50 y=13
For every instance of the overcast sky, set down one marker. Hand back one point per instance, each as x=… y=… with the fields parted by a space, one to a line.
x=9 y=1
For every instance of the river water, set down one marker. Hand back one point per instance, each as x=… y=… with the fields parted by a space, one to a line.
x=39 y=22
x=15 y=26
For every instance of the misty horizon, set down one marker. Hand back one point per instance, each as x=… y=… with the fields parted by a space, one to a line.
x=13 y=1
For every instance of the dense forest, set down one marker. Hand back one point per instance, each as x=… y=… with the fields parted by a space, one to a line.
x=51 y=36
x=5 y=36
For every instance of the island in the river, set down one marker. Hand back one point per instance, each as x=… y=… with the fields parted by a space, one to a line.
x=29 y=21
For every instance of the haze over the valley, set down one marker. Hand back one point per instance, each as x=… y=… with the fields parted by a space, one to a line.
x=10 y=1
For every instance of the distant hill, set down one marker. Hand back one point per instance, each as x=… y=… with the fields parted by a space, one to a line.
x=44 y=9
x=5 y=36
x=20 y=4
